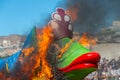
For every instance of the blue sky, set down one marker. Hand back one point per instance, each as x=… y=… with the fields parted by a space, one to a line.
x=19 y=16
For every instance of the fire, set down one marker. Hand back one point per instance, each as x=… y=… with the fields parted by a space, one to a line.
x=44 y=42
x=33 y=59
x=65 y=48
x=93 y=41
x=27 y=51
x=87 y=41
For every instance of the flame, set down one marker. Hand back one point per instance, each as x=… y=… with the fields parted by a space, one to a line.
x=44 y=42
x=34 y=65
x=87 y=41
x=84 y=40
x=73 y=11
x=65 y=48
x=93 y=41
x=27 y=51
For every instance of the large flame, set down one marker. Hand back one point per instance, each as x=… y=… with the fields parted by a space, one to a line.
x=33 y=62
x=44 y=42
x=87 y=41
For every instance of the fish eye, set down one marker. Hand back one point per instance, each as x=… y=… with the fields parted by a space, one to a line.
x=67 y=18
x=56 y=16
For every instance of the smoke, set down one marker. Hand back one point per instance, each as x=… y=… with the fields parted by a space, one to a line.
x=92 y=15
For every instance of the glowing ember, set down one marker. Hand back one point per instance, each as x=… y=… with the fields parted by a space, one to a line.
x=44 y=42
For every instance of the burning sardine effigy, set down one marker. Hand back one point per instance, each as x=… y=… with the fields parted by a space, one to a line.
x=50 y=53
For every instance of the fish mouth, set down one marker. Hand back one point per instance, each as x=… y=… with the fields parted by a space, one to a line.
x=88 y=60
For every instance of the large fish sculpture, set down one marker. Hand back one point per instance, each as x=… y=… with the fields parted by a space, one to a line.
x=72 y=60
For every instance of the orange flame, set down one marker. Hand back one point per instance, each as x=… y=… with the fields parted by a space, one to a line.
x=34 y=65
x=84 y=40
x=37 y=67
x=64 y=48
x=44 y=42
x=87 y=41
x=93 y=41
x=27 y=51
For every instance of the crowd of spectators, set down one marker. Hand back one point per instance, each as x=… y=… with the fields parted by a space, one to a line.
x=107 y=70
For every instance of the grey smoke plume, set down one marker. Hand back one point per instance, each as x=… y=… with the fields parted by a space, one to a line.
x=93 y=14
